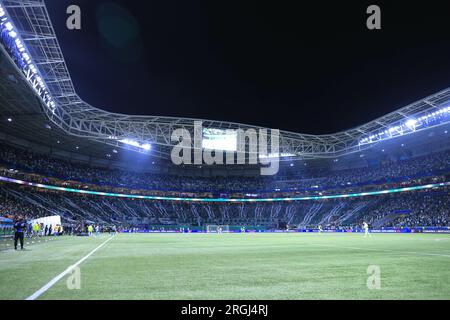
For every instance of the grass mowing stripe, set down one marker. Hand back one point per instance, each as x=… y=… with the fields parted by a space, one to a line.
x=247 y=266
x=52 y=282
x=384 y=250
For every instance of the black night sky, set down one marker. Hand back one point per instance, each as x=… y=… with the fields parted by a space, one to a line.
x=304 y=68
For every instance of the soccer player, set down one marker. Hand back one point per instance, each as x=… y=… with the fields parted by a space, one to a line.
x=19 y=227
x=366 y=229
x=30 y=230
x=35 y=229
x=320 y=229
x=90 y=229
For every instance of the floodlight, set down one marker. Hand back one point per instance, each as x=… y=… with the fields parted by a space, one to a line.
x=411 y=123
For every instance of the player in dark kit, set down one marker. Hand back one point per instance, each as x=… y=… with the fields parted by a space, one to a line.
x=20 y=226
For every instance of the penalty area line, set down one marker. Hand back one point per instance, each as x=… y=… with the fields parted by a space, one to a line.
x=52 y=282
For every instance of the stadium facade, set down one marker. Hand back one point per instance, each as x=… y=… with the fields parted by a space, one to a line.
x=31 y=44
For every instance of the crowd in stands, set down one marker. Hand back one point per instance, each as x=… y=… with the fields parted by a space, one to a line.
x=430 y=211
x=421 y=208
x=310 y=180
x=411 y=209
x=424 y=208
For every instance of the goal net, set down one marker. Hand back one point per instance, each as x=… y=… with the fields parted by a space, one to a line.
x=215 y=228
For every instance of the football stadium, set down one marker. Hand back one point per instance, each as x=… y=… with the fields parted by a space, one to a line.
x=105 y=213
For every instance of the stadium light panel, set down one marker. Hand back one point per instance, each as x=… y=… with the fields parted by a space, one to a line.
x=11 y=40
x=276 y=155
x=411 y=123
x=9 y=26
x=409 y=126
x=144 y=146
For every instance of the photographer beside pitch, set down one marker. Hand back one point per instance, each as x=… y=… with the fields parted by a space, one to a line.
x=20 y=225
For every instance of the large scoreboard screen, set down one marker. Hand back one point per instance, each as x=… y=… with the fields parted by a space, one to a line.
x=219 y=139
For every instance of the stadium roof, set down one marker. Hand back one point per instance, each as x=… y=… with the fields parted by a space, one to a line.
x=39 y=91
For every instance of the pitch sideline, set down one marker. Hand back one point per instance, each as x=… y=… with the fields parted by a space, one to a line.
x=52 y=282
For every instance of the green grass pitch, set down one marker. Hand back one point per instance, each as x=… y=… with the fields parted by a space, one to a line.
x=233 y=266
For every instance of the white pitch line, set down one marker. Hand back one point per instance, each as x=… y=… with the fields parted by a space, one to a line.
x=52 y=282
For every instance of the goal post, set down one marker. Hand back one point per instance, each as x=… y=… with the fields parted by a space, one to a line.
x=217 y=228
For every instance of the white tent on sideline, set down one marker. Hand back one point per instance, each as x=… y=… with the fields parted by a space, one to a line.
x=47 y=221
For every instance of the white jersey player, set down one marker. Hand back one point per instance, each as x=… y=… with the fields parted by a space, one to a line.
x=366 y=229
x=320 y=229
